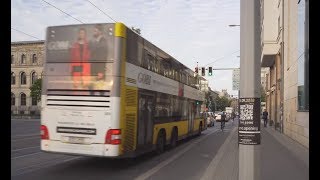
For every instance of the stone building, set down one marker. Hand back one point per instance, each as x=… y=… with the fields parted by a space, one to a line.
x=26 y=67
x=285 y=49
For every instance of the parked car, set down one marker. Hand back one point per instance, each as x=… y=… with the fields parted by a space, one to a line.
x=218 y=116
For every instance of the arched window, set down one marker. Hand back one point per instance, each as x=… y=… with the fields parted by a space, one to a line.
x=23 y=78
x=34 y=58
x=13 y=99
x=23 y=59
x=12 y=59
x=34 y=101
x=34 y=77
x=23 y=99
x=13 y=78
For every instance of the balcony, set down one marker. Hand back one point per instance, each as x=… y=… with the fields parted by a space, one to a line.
x=269 y=51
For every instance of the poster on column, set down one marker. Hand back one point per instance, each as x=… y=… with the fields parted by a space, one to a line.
x=249 y=124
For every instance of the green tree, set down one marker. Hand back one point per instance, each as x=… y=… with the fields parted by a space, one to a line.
x=222 y=103
x=36 y=90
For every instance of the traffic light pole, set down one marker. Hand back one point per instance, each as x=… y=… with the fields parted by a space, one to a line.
x=249 y=102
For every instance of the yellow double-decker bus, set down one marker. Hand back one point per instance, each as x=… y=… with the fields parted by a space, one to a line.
x=109 y=92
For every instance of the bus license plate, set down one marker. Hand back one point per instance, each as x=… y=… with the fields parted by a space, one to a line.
x=76 y=140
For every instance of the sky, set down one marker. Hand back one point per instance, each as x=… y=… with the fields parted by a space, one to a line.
x=189 y=30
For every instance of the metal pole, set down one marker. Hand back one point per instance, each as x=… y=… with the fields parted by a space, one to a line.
x=250 y=70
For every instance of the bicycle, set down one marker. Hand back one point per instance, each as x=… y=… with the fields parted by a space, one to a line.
x=222 y=125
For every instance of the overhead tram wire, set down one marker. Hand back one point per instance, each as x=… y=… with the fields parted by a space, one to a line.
x=221 y=58
x=101 y=10
x=63 y=11
x=25 y=33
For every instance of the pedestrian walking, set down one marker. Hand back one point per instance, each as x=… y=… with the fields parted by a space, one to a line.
x=265 y=117
x=233 y=115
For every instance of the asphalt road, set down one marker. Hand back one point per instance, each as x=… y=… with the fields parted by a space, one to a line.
x=187 y=161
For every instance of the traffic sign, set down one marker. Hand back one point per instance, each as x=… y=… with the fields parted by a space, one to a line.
x=235 y=79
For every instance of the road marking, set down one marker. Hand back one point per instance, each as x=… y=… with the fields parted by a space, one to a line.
x=31 y=120
x=166 y=162
x=25 y=135
x=26 y=155
x=24 y=148
x=43 y=165
x=211 y=169
x=14 y=140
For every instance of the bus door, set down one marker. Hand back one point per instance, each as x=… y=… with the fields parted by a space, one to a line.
x=145 y=121
x=191 y=117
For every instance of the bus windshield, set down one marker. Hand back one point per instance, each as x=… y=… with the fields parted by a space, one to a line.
x=79 y=57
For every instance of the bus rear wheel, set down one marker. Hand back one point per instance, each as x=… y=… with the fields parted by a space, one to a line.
x=200 y=129
x=174 y=138
x=160 y=143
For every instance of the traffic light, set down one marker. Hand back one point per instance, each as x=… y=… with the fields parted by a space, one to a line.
x=196 y=70
x=210 y=71
x=203 y=71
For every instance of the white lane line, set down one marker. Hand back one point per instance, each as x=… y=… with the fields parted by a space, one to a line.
x=15 y=150
x=44 y=165
x=166 y=162
x=211 y=169
x=24 y=120
x=24 y=135
x=25 y=155
x=14 y=140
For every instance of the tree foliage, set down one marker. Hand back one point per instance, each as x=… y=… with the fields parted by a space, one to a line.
x=36 y=90
x=222 y=103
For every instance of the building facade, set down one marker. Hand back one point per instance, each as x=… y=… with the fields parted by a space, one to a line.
x=224 y=93
x=281 y=23
x=26 y=67
x=264 y=72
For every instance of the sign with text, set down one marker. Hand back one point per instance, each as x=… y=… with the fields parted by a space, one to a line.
x=235 y=79
x=249 y=124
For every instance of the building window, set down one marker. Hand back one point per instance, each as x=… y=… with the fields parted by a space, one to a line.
x=23 y=78
x=12 y=59
x=23 y=99
x=13 y=78
x=303 y=56
x=34 y=58
x=34 y=77
x=13 y=99
x=21 y=112
x=34 y=101
x=23 y=59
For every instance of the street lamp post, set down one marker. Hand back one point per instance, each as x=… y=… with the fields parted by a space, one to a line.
x=234 y=25
x=249 y=127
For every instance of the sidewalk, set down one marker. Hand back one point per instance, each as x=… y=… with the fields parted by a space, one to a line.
x=281 y=158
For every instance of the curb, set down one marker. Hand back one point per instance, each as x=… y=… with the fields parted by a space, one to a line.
x=214 y=164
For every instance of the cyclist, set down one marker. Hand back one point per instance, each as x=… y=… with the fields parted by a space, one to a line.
x=223 y=120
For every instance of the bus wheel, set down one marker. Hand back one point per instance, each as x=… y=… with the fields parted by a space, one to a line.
x=200 y=129
x=160 y=142
x=174 y=138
